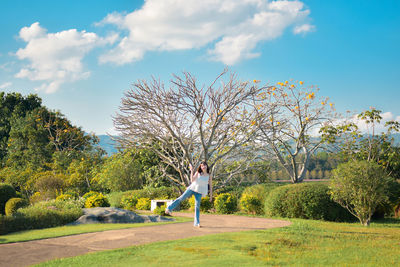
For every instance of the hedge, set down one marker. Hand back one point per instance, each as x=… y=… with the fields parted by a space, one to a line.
x=253 y=197
x=6 y=192
x=13 y=204
x=307 y=201
x=42 y=215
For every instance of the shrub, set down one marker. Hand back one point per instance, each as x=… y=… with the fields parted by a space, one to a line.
x=143 y=203
x=64 y=197
x=274 y=204
x=185 y=205
x=306 y=200
x=89 y=194
x=98 y=200
x=251 y=204
x=360 y=186
x=159 y=192
x=6 y=192
x=36 y=197
x=386 y=209
x=129 y=198
x=49 y=184
x=13 y=204
x=236 y=191
x=253 y=197
x=160 y=210
x=41 y=215
x=115 y=199
x=225 y=203
x=19 y=194
x=205 y=203
x=129 y=201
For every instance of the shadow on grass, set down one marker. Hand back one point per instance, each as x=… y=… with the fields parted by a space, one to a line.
x=395 y=221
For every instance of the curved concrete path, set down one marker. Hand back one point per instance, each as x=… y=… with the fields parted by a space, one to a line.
x=33 y=252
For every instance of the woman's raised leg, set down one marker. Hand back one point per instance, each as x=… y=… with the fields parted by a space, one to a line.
x=188 y=193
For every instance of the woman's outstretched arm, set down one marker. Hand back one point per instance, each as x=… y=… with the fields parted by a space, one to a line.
x=193 y=177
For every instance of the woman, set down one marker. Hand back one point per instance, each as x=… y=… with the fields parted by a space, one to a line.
x=199 y=187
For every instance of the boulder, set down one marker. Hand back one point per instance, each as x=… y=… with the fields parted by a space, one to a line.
x=116 y=215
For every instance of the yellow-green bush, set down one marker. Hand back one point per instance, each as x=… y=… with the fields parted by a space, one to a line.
x=13 y=204
x=251 y=204
x=253 y=197
x=36 y=197
x=98 y=200
x=89 y=194
x=64 y=197
x=225 y=203
x=205 y=203
x=129 y=201
x=160 y=210
x=143 y=203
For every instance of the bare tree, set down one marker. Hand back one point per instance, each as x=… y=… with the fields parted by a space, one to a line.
x=186 y=124
x=289 y=130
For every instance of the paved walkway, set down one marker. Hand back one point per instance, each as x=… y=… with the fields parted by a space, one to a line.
x=33 y=252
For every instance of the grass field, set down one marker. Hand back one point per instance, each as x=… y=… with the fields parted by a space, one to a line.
x=74 y=230
x=304 y=243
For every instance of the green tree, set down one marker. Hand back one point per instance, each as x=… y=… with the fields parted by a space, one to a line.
x=120 y=172
x=13 y=105
x=81 y=172
x=19 y=179
x=46 y=139
x=28 y=144
x=371 y=146
x=360 y=186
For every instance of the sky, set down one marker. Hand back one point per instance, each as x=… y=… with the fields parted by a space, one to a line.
x=81 y=56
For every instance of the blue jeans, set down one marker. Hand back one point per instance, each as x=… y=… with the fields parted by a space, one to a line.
x=188 y=193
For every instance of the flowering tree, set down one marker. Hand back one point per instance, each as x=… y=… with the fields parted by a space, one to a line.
x=293 y=115
x=186 y=124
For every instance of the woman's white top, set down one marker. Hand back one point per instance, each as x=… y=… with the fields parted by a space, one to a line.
x=200 y=185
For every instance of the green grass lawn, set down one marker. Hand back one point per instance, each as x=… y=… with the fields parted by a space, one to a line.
x=304 y=243
x=75 y=229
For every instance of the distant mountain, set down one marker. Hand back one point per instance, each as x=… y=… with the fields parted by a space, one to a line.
x=107 y=144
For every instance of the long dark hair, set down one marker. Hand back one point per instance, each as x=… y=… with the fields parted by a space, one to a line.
x=199 y=170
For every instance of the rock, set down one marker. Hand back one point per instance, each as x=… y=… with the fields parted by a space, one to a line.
x=116 y=215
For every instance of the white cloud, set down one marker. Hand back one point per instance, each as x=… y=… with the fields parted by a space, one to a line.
x=56 y=58
x=302 y=29
x=234 y=27
x=5 y=85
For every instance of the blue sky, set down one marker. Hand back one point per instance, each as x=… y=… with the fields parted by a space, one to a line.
x=80 y=56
